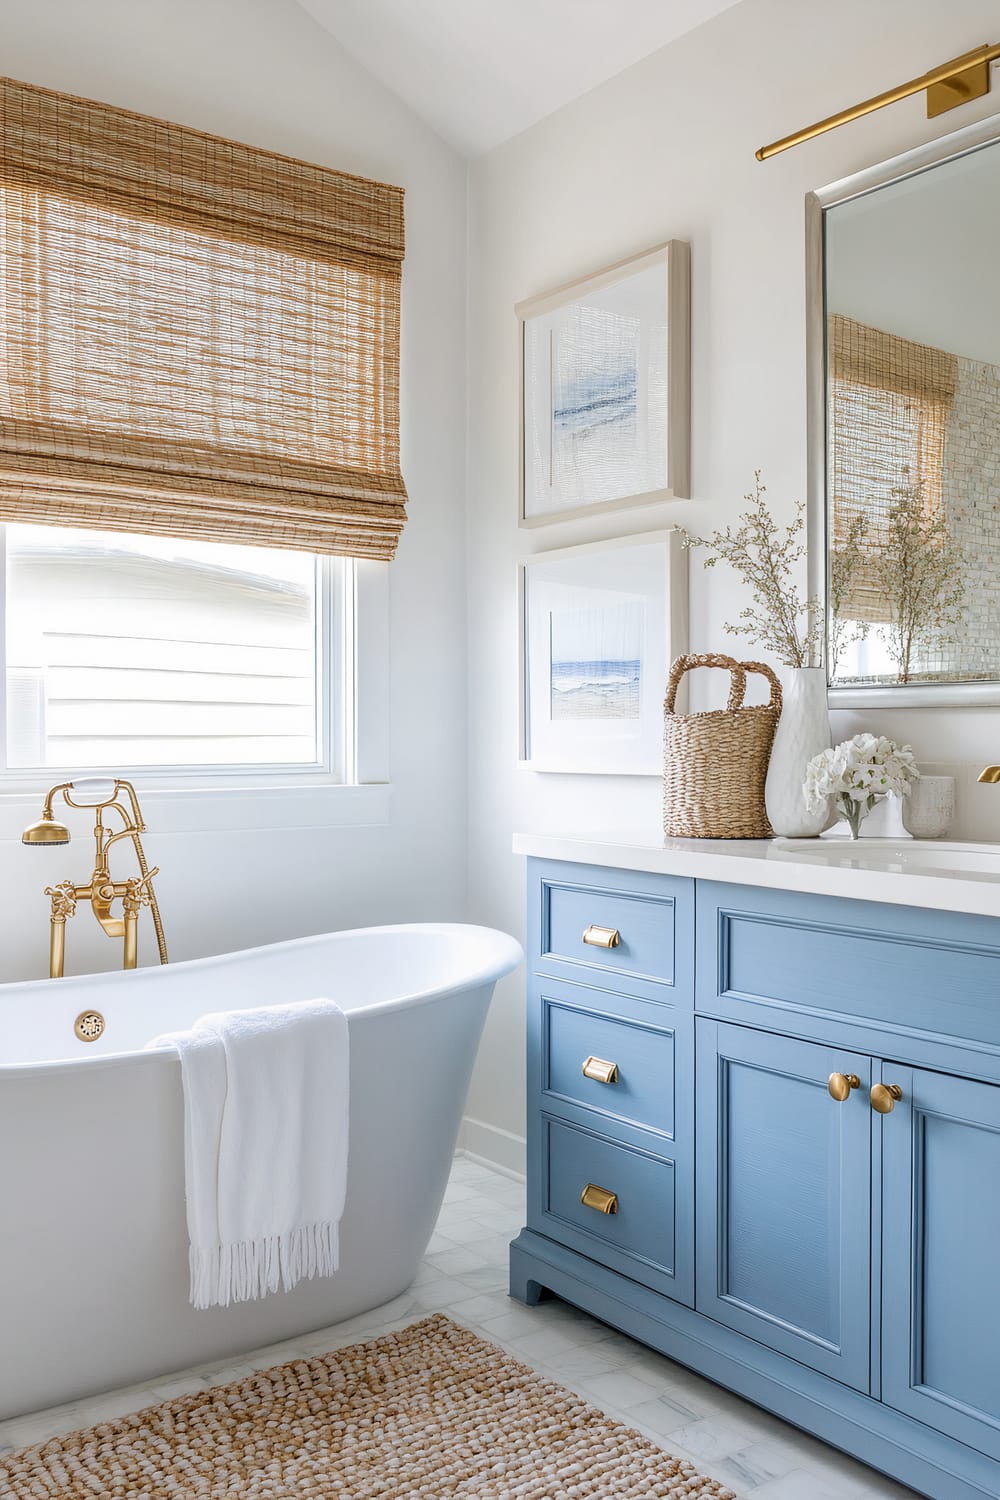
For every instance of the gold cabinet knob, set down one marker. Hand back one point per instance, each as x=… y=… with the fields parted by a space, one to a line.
x=602 y=937
x=600 y=1070
x=885 y=1096
x=841 y=1084
x=603 y=1199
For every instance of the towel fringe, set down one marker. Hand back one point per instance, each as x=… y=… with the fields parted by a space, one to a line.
x=247 y=1269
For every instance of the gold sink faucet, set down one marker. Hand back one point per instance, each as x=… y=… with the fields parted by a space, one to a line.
x=989 y=774
x=101 y=891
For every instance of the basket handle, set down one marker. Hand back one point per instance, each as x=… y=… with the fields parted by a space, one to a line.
x=737 y=685
x=738 y=678
x=765 y=671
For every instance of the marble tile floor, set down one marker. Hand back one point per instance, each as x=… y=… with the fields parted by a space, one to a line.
x=464 y=1274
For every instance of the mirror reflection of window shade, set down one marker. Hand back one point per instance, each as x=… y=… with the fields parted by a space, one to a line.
x=889 y=400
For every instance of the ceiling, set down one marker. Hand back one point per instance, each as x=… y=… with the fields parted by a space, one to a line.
x=480 y=71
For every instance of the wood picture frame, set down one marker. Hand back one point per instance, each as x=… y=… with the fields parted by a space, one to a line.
x=605 y=390
x=600 y=625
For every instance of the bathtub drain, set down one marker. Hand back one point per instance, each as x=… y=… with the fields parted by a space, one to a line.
x=89 y=1025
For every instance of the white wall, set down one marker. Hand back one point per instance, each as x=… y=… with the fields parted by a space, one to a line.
x=666 y=150
x=261 y=71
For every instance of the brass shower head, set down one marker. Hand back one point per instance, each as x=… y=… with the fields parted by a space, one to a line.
x=46 y=831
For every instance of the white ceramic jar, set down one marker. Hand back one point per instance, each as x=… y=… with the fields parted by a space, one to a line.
x=929 y=809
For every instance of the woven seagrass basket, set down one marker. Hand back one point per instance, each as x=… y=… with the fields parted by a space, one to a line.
x=715 y=763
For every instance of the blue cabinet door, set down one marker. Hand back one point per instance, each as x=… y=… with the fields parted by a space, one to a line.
x=941 y=1254
x=784 y=1197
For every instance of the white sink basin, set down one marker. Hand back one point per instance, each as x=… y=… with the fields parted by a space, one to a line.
x=912 y=856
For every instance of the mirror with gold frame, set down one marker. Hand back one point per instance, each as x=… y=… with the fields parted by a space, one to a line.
x=904 y=424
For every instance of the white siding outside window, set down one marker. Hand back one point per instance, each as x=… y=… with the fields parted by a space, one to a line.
x=125 y=652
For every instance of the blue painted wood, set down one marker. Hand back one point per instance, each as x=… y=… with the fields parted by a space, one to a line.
x=941 y=1254
x=652 y=1006
x=645 y=926
x=929 y=971
x=643 y=1091
x=784 y=1197
x=876 y=1039
x=640 y=1239
x=908 y=1450
x=796 y=1330
x=655 y=916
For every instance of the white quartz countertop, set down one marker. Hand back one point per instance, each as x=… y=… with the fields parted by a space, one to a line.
x=903 y=872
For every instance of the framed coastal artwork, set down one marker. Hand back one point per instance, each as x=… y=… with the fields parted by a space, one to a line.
x=600 y=625
x=605 y=389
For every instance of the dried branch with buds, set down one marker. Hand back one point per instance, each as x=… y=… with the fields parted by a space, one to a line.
x=767 y=557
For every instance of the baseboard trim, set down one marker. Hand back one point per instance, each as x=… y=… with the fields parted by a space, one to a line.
x=493 y=1147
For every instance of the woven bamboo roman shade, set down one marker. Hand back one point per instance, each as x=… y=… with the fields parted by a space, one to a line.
x=889 y=404
x=198 y=338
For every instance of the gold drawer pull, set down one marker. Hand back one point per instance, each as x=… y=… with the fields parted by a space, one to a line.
x=600 y=1198
x=602 y=937
x=600 y=1070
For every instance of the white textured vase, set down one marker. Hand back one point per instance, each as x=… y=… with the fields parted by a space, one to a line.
x=803 y=731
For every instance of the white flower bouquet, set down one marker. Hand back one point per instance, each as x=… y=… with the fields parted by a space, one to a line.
x=858 y=772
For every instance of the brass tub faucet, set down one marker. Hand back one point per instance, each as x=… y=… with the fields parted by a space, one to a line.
x=101 y=891
x=989 y=774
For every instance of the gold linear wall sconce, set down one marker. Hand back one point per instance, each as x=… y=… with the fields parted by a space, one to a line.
x=953 y=83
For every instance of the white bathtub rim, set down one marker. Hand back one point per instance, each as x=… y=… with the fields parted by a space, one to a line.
x=503 y=954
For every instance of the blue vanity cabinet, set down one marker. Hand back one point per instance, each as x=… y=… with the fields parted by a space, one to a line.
x=835 y=1260
x=610 y=1071
x=784 y=1203
x=941 y=1254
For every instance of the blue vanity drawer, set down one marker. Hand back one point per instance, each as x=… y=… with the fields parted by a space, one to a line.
x=641 y=1088
x=645 y=925
x=640 y=1238
x=898 y=966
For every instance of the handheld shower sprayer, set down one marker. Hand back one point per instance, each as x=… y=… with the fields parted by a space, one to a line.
x=103 y=794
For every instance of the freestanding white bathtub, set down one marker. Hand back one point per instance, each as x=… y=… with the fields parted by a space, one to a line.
x=93 y=1237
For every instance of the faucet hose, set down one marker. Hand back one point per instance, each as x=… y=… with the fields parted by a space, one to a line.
x=140 y=855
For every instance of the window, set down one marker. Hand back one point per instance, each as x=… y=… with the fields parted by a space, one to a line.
x=200 y=340
x=127 y=652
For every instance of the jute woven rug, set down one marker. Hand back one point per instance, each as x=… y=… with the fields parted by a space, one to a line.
x=431 y=1411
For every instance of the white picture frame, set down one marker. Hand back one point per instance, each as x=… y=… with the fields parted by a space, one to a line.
x=605 y=389
x=600 y=625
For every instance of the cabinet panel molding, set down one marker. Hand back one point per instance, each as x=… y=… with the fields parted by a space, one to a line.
x=646 y=1233
x=941 y=1257
x=783 y=1204
x=653 y=922
x=641 y=1088
x=927 y=971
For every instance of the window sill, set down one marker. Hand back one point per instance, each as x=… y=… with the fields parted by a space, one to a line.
x=245 y=809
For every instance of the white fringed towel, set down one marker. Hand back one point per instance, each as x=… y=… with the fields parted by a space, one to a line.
x=266 y=1110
